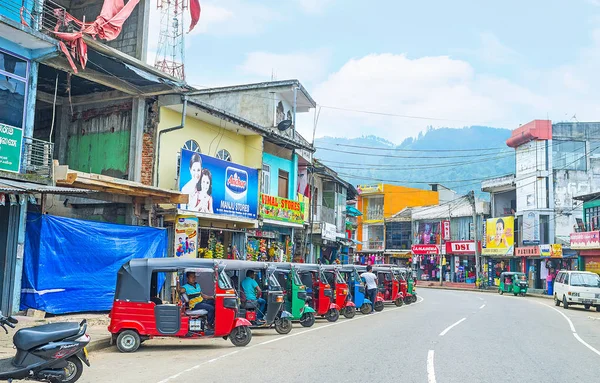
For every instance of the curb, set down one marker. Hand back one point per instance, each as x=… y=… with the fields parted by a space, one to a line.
x=478 y=291
x=99 y=344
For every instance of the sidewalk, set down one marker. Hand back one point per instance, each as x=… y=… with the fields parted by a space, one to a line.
x=96 y=329
x=494 y=290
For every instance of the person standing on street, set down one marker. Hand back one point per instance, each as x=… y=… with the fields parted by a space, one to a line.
x=370 y=280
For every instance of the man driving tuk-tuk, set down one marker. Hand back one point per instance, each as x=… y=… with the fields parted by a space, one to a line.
x=513 y=282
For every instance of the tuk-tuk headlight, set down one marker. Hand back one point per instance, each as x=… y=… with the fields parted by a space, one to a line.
x=279 y=298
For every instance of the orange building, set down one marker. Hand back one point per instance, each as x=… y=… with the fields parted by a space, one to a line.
x=380 y=201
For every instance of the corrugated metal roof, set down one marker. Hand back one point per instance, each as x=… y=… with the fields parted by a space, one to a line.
x=14 y=186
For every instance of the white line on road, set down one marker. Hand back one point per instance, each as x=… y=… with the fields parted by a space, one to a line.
x=451 y=326
x=482 y=306
x=430 y=369
x=585 y=343
x=173 y=377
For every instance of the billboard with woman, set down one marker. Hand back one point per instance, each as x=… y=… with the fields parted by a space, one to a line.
x=500 y=236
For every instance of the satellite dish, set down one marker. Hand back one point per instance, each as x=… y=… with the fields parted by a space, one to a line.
x=284 y=125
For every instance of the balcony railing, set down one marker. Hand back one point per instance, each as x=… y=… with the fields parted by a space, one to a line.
x=372 y=245
x=37 y=157
x=328 y=215
x=40 y=15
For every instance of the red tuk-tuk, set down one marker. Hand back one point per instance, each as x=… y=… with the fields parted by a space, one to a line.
x=389 y=286
x=402 y=275
x=341 y=290
x=318 y=290
x=138 y=314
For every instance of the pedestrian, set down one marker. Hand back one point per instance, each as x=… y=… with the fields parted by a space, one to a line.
x=370 y=280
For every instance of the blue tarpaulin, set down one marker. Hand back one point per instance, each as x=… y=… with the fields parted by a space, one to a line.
x=71 y=265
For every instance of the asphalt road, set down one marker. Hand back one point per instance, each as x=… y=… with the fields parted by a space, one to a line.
x=448 y=336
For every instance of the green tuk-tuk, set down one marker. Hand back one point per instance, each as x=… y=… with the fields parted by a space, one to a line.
x=511 y=282
x=297 y=301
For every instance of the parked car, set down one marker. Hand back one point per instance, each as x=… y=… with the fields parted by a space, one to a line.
x=577 y=288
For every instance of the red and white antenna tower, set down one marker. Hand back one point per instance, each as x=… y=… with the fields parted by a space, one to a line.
x=170 y=55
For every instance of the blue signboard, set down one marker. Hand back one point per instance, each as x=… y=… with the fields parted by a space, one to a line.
x=218 y=187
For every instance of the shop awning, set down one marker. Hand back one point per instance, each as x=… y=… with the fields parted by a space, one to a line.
x=218 y=220
x=274 y=222
x=67 y=178
x=353 y=212
x=23 y=187
x=399 y=254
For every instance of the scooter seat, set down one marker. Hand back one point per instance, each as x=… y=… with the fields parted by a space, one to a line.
x=196 y=313
x=28 y=338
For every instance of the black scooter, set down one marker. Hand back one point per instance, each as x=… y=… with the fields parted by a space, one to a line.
x=48 y=353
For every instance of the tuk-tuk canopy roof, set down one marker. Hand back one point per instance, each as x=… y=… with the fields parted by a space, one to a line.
x=230 y=264
x=510 y=273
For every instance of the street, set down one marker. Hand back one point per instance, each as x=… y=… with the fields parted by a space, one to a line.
x=447 y=336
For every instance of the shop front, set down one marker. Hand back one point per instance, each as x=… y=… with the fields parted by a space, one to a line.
x=528 y=260
x=427 y=260
x=222 y=202
x=588 y=245
x=498 y=248
x=461 y=256
x=400 y=258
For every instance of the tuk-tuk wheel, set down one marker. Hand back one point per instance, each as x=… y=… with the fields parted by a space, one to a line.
x=408 y=300
x=283 y=325
x=414 y=298
x=240 y=336
x=128 y=341
x=598 y=308
x=307 y=319
x=349 y=312
x=378 y=306
x=365 y=308
x=587 y=307
x=516 y=294
x=500 y=292
x=398 y=302
x=333 y=315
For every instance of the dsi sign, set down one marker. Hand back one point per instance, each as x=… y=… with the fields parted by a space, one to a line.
x=11 y=140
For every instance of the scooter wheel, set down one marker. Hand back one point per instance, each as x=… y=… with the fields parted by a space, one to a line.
x=365 y=308
x=398 y=302
x=378 y=306
x=349 y=312
x=128 y=341
x=283 y=325
x=240 y=336
x=307 y=319
x=73 y=370
x=333 y=315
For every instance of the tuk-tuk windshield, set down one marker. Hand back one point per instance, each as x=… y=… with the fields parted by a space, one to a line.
x=296 y=278
x=322 y=277
x=273 y=282
x=224 y=281
x=339 y=278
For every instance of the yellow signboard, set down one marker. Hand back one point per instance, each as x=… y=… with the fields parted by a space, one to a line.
x=500 y=236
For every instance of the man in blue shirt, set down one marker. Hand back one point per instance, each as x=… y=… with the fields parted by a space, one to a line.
x=199 y=300
x=253 y=292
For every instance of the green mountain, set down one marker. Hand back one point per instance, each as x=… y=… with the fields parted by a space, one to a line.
x=456 y=158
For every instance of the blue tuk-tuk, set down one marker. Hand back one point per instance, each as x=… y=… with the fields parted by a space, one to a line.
x=355 y=286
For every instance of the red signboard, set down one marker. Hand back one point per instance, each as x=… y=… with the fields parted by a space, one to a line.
x=425 y=249
x=446 y=231
x=586 y=240
x=460 y=247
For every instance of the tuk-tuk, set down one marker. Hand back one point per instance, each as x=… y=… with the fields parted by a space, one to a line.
x=318 y=290
x=138 y=314
x=274 y=315
x=356 y=287
x=411 y=282
x=512 y=282
x=404 y=280
x=389 y=285
x=340 y=290
x=296 y=301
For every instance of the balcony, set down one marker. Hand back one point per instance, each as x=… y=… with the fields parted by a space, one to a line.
x=37 y=157
x=328 y=215
x=24 y=20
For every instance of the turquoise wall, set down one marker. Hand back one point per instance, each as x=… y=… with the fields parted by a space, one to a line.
x=276 y=163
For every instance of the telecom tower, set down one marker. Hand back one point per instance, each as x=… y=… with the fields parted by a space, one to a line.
x=170 y=56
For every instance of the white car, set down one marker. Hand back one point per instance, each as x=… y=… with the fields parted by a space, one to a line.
x=577 y=288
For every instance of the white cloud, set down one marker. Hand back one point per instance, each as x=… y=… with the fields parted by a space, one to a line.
x=434 y=87
x=494 y=51
x=315 y=6
x=305 y=66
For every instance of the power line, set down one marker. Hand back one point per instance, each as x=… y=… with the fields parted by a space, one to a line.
x=499 y=149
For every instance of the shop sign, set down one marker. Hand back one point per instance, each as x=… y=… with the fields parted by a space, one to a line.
x=500 y=239
x=328 y=231
x=461 y=247
x=281 y=209
x=362 y=189
x=306 y=201
x=592 y=264
x=261 y=234
x=585 y=240
x=186 y=237
x=11 y=140
x=551 y=251
x=531 y=228
x=425 y=249
x=527 y=251
x=218 y=187
x=446 y=231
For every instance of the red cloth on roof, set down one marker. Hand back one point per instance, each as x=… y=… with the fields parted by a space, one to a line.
x=194 y=13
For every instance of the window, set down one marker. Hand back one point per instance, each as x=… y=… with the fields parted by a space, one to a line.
x=545 y=229
x=192 y=145
x=569 y=155
x=265 y=185
x=374 y=207
x=13 y=84
x=398 y=235
x=284 y=183
x=224 y=155
x=566 y=281
x=594 y=149
x=592 y=218
x=559 y=277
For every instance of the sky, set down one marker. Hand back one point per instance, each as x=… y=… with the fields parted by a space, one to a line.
x=394 y=67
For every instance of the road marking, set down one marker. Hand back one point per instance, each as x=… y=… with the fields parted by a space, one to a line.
x=430 y=369
x=482 y=306
x=591 y=348
x=480 y=298
x=420 y=299
x=451 y=326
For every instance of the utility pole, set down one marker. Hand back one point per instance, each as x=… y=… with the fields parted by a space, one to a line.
x=477 y=260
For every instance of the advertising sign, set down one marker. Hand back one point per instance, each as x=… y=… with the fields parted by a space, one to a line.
x=218 y=187
x=527 y=251
x=551 y=251
x=186 y=237
x=500 y=238
x=587 y=240
x=281 y=209
x=446 y=230
x=461 y=247
x=261 y=233
x=425 y=249
x=531 y=228
x=329 y=231
x=11 y=140
x=592 y=264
